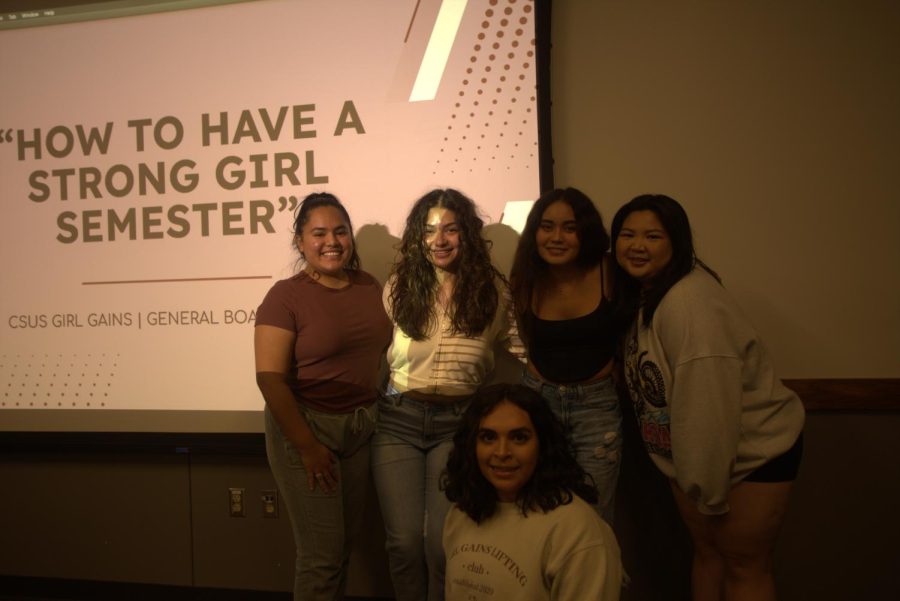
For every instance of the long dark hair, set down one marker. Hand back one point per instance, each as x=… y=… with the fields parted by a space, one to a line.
x=475 y=297
x=630 y=297
x=529 y=268
x=318 y=200
x=556 y=478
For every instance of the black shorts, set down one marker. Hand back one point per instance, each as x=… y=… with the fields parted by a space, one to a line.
x=781 y=469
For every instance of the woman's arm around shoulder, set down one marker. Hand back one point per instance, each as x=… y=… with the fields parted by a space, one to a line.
x=386 y=295
x=508 y=336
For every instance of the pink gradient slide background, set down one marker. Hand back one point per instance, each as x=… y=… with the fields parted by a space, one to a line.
x=69 y=338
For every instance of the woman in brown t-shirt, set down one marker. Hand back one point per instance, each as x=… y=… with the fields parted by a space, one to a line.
x=319 y=339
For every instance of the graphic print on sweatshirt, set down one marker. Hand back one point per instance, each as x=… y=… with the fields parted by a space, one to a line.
x=648 y=393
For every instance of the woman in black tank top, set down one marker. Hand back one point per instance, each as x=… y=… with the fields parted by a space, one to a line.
x=561 y=288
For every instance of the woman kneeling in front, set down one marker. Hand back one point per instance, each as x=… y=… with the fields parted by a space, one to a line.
x=521 y=526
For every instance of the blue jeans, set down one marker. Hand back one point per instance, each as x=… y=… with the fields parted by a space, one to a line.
x=410 y=447
x=324 y=524
x=592 y=418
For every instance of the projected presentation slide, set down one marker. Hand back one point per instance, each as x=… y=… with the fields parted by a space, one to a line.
x=151 y=164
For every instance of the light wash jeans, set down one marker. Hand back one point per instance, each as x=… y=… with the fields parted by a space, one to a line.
x=592 y=418
x=324 y=524
x=409 y=452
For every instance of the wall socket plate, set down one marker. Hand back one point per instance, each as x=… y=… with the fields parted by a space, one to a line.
x=269 y=503
x=236 y=502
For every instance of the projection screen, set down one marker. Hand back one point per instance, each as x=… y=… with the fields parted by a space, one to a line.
x=152 y=155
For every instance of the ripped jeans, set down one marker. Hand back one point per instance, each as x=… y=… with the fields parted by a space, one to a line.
x=592 y=418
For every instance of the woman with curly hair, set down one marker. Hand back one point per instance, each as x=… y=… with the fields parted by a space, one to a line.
x=561 y=284
x=449 y=307
x=521 y=526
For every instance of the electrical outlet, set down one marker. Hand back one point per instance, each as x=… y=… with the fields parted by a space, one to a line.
x=269 y=503
x=236 y=502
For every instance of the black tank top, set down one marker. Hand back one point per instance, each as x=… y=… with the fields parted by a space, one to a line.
x=573 y=350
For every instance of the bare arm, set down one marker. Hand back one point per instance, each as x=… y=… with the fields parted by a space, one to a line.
x=273 y=348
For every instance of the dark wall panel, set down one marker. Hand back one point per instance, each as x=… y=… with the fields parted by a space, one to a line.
x=96 y=517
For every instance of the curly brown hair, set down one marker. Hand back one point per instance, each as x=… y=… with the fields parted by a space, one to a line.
x=475 y=298
x=557 y=477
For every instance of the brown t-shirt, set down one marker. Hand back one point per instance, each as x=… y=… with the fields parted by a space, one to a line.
x=341 y=336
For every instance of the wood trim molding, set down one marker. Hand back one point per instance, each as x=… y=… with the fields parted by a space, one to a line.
x=848 y=394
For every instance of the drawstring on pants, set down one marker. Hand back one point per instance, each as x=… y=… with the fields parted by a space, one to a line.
x=357 y=422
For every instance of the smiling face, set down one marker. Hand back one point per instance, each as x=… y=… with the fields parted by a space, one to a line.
x=507 y=449
x=643 y=247
x=326 y=242
x=442 y=240
x=557 y=235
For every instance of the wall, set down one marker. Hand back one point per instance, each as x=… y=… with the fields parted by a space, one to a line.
x=776 y=125
x=157 y=519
